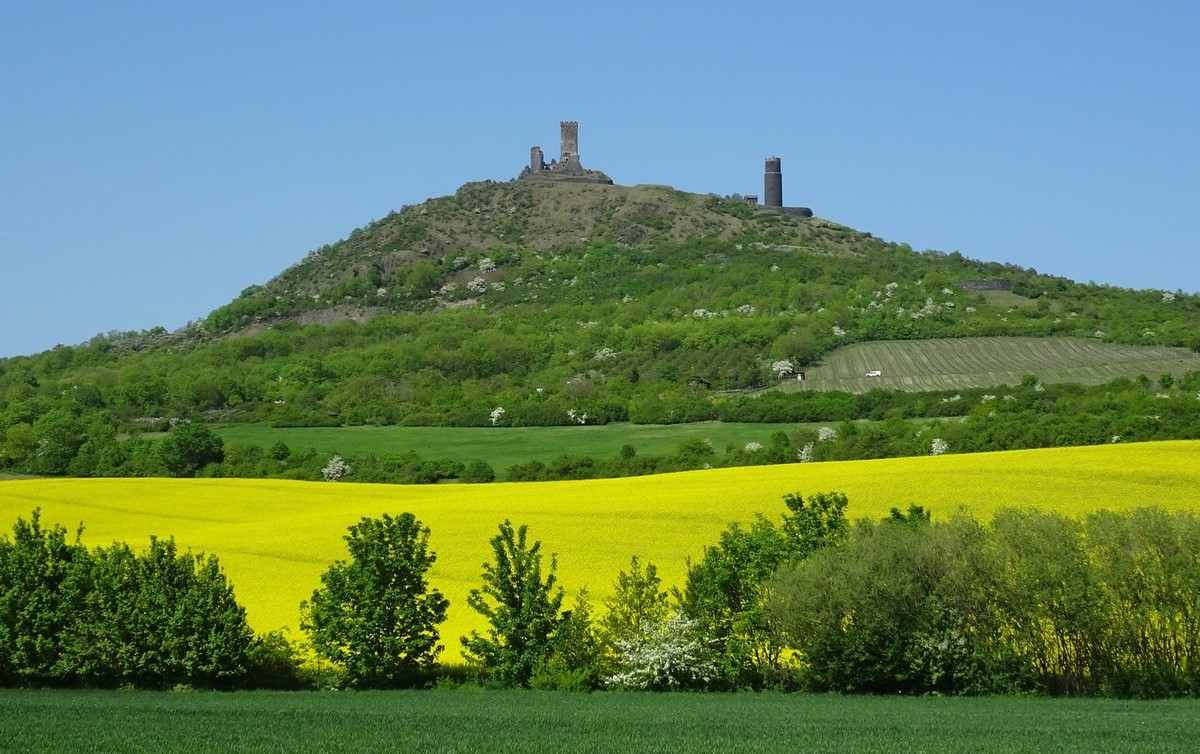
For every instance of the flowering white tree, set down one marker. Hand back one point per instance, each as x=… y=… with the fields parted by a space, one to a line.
x=487 y=265
x=752 y=447
x=782 y=368
x=826 y=434
x=938 y=447
x=805 y=454
x=670 y=657
x=497 y=412
x=335 y=469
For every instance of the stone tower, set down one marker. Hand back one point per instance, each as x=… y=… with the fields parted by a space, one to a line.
x=773 y=183
x=567 y=168
x=569 y=131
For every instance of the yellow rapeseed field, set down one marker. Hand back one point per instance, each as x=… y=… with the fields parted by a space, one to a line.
x=274 y=538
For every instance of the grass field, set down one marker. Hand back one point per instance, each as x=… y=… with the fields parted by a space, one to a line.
x=504 y=446
x=943 y=364
x=516 y=721
x=276 y=537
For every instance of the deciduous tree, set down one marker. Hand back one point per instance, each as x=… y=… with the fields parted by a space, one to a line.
x=520 y=605
x=376 y=613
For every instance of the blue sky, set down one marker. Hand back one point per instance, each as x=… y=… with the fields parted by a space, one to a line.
x=157 y=157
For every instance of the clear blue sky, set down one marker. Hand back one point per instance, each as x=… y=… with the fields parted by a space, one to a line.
x=158 y=157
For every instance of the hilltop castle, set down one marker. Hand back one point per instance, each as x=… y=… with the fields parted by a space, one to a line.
x=566 y=168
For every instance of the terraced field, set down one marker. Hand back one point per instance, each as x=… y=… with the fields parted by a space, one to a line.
x=275 y=538
x=942 y=364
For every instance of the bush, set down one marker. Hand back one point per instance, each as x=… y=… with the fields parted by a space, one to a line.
x=478 y=472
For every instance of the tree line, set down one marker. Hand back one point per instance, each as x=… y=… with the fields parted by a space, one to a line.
x=1031 y=602
x=1028 y=415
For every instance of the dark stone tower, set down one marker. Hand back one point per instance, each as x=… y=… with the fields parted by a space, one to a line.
x=773 y=184
x=569 y=131
x=536 y=161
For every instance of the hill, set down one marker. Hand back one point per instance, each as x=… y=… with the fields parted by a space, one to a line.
x=531 y=303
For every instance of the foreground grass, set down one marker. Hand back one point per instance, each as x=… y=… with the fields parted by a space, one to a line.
x=275 y=537
x=53 y=721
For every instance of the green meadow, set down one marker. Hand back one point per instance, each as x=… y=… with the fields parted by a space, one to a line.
x=529 y=721
x=504 y=446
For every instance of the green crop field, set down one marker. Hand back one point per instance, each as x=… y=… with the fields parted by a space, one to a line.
x=275 y=537
x=946 y=364
x=525 y=721
x=504 y=446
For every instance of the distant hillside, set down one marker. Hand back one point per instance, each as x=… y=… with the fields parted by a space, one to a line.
x=425 y=256
x=529 y=304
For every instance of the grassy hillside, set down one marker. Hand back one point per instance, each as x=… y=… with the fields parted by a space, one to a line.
x=522 y=304
x=274 y=538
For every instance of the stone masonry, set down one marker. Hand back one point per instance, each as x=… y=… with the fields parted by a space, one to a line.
x=567 y=168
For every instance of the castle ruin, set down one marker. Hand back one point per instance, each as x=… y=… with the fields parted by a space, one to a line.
x=567 y=168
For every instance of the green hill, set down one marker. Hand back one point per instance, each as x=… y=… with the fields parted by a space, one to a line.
x=575 y=303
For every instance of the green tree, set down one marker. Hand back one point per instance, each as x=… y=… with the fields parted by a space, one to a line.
x=43 y=583
x=725 y=592
x=638 y=604
x=853 y=612
x=376 y=614
x=520 y=605
x=188 y=448
x=576 y=657
x=1049 y=601
x=478 y=472
x=159 y=619
x=60 y=434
